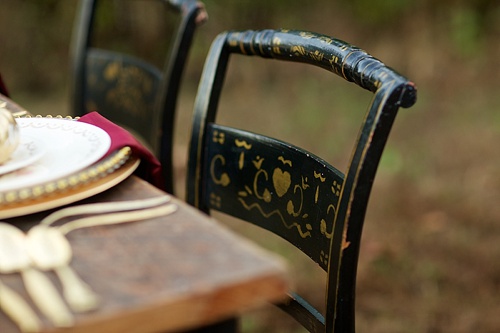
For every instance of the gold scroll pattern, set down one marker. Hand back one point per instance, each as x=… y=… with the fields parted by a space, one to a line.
x=269 y=179
x=126 y=87
x=132 y=85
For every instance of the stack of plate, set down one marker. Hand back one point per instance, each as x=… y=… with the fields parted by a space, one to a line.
x=58 y=161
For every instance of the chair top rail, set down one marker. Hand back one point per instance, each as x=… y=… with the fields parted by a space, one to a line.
x=346 y=60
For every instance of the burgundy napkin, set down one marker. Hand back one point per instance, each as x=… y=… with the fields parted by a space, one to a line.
x=149 y=169
x=3 y=88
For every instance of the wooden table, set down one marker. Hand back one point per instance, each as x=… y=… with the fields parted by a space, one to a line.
x=166 y=274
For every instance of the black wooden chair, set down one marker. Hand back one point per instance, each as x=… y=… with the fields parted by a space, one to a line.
x=129 y=90
x=283 y=188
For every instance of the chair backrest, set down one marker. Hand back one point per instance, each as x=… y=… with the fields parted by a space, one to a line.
x=128 y=90
x=286 y=189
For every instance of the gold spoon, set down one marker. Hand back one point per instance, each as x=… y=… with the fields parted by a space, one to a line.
x=50 y=250
x=16 y=259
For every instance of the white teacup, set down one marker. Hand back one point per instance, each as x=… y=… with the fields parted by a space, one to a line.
x=9 y=134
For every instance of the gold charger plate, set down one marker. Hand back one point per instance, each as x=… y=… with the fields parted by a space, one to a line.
x=91 y=181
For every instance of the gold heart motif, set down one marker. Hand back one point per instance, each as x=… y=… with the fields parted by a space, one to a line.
x=281 y=181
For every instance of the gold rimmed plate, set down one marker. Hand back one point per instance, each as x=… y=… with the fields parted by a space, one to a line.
x=83 y=184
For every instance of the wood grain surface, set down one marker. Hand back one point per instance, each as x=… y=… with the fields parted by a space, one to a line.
x=166 y=274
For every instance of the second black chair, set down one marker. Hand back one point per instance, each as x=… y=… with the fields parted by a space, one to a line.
x=130 y=91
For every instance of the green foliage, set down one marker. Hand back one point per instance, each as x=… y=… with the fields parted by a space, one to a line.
x=379 y=12
x=465 y=30
x=392 y=160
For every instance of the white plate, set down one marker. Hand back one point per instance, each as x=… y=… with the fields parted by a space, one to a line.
x=70 y=147
x=28 y=151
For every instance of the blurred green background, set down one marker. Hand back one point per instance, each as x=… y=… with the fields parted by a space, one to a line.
x=430 y=258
